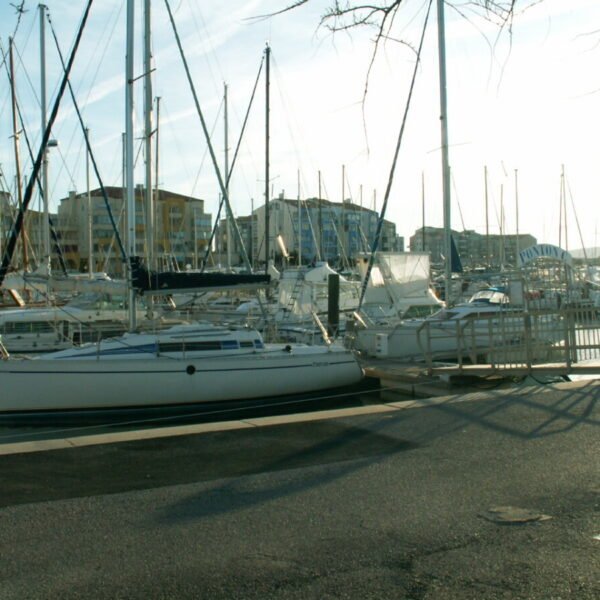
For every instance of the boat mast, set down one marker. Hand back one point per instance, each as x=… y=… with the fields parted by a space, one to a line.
x=226 y=174
x=502 y=254
x=43 y=104
x=17 y=227
x=195 y=239
x=252 y=244
x=423 y=210
x=517 y=248
x=156 y=189
x=267 y=108
x=299 y=223
x=487 y=219
x=563 y=209
x=89 y=209
x=13 y=95
x=129 y=183
x=321 y=255
x=148 y=134
x=342 y=228
x=444 y=136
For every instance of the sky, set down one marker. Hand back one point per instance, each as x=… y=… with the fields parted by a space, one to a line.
x=523 y=106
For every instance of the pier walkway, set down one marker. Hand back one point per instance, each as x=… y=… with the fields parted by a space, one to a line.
x=489 y=495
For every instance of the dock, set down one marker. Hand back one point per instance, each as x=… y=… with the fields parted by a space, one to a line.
x=401 y=380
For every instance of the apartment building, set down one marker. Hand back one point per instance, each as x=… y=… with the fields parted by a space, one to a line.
x=475 y=249
x=181 y=229
x=313 y=228
x=30 y=254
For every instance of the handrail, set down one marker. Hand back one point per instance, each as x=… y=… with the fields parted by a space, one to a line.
x=320 y=325
x=4 y=355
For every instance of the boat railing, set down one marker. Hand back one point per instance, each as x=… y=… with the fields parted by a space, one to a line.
x=322 y=328
x=4 y=355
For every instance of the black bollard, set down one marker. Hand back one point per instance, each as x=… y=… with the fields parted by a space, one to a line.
x=333 y=304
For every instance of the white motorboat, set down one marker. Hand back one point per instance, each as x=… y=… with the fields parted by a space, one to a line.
x=485 y=325
x=186 y=364
x=51 y=328
x=86 y=318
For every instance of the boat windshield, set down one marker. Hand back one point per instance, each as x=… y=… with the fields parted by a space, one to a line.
x=490 y=297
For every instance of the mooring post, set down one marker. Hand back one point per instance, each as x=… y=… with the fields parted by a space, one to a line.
x=333 y=304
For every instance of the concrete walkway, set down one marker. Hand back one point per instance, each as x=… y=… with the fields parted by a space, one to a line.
x=389 y=501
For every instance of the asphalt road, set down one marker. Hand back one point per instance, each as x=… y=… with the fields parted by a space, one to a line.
x=389 y=505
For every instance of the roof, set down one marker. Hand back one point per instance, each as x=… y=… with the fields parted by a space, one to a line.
x=118 y=192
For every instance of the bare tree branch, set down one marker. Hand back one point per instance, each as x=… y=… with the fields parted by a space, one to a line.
x=346 y=15
x=279 y=12
x=343 y=15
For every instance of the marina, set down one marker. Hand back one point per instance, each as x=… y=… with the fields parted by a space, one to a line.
x=223 y=377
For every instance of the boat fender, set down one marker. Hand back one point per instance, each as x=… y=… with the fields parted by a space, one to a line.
x=287 y=348
x=190 y=369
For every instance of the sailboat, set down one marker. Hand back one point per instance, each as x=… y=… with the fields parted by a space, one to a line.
x=186 y=364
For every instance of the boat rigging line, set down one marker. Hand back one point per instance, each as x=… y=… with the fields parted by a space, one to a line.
x=235 y=155
x=53 y=233
x=570 y=194
x=222 y=185
x=205 y=154
x=18 y=224
x=86 y=137
x=394 y=161
x=20 y=10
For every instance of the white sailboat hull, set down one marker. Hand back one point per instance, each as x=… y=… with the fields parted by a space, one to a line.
x=40 y=385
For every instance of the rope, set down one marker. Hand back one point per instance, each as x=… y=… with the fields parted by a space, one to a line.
x=39 y=183
x=18 y=224
x=207 y=136
x=394 y=161
x=235 y=155
x=66 y=81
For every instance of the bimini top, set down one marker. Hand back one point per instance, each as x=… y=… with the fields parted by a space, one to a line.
x=491 y=295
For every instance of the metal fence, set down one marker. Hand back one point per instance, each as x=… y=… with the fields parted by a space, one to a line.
x=556 y=327
x=563 y=339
